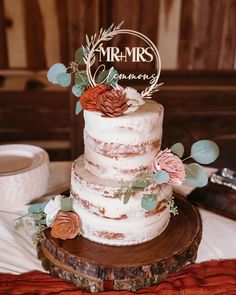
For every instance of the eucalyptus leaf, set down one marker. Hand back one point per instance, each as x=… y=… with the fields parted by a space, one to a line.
x=77 y=90
x=112 y=78
x=149 y=202
x=161 y=177
x=37 y=208
x=79 y=56
x=178 y=149
x=64 y=79
x=204 y=151
x=54 y=71
x=127 y=196
x=196 y=175
x=78 y=108
x=66 y=204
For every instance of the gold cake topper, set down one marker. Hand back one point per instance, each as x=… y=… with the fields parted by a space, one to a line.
x=148 y=54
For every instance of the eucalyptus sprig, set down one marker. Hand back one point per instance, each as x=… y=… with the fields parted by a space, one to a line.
x=61 y=75
x=35 y=217
x=203 y=152
x=172 y=207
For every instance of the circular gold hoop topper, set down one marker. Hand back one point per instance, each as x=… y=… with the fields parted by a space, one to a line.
x=95 y=43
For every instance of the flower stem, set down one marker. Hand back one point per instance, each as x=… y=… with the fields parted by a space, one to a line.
x=189 y=157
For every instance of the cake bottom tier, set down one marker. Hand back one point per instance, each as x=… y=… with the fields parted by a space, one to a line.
x=106 y=219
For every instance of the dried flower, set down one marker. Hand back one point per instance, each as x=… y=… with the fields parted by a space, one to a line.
x=89 y=99
x=112 y=103
x=134 y=99
x=51 y=209
x=170 y=163
x=66 y=225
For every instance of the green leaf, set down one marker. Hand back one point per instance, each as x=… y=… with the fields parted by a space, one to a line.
x=178 y=149
x=77 y=90
x=161 y=176
x=127 y=196
x=64 y=79
x=149 y=202
x=37 y=208
x=78 y=107
x=79 y=56
x=66 y=204
x=54 y=71
x=112 y=78
x=204 y=151
x=81 y=79
x=196 y=175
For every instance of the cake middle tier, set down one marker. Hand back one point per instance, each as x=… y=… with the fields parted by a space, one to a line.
x=116 y=148
x=107 y=219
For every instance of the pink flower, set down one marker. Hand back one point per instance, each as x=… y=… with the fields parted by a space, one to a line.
x=170 y=163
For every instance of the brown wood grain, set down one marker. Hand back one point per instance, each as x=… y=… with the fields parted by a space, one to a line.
x=33 y=111
x=206 y=38
x=141 y=16
x=36 y=117
x=62 y=19
x=3 y=42
x=201 y=25
x=17 y=134
x=51 y=35
x=214 y=33
x=168 y=32
x=213 y=26
x=15 y=33
x=83 y=18
x=35 y=99
x=35 y=35
x=186 y=35
x=228 y=41
x=216 y=277
x=91 y=265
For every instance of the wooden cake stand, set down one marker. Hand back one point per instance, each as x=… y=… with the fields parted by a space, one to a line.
x=95 y=267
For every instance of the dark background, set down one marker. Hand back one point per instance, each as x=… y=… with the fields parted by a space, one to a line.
x=197 y=44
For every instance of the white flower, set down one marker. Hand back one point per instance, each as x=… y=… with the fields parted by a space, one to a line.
x=52 y=208
x=134 y=99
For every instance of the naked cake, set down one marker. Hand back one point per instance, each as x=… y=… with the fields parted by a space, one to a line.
x=117 y=149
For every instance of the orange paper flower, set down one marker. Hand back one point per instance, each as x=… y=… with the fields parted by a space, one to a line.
x=89 y=99
x=66 y=225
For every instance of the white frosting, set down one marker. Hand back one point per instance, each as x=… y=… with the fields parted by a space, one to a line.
x=102 y=211
x=145 y=124
x=136 y=133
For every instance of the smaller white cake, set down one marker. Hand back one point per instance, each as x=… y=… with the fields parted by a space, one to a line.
x=116 y=148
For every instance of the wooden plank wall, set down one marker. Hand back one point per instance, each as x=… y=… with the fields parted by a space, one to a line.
x=197 y=44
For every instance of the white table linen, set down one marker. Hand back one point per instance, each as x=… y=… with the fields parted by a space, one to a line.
x=18 y=253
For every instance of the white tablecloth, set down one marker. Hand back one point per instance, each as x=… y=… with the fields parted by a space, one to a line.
x=18 y=253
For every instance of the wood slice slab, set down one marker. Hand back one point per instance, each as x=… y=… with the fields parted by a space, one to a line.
x=95 y=267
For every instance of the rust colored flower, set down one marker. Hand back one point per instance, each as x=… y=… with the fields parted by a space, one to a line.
x=112 y=103
x=66 y=225
x=170 y=163
x=89 y=99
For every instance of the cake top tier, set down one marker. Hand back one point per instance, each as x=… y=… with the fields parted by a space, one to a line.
x=145 y=124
